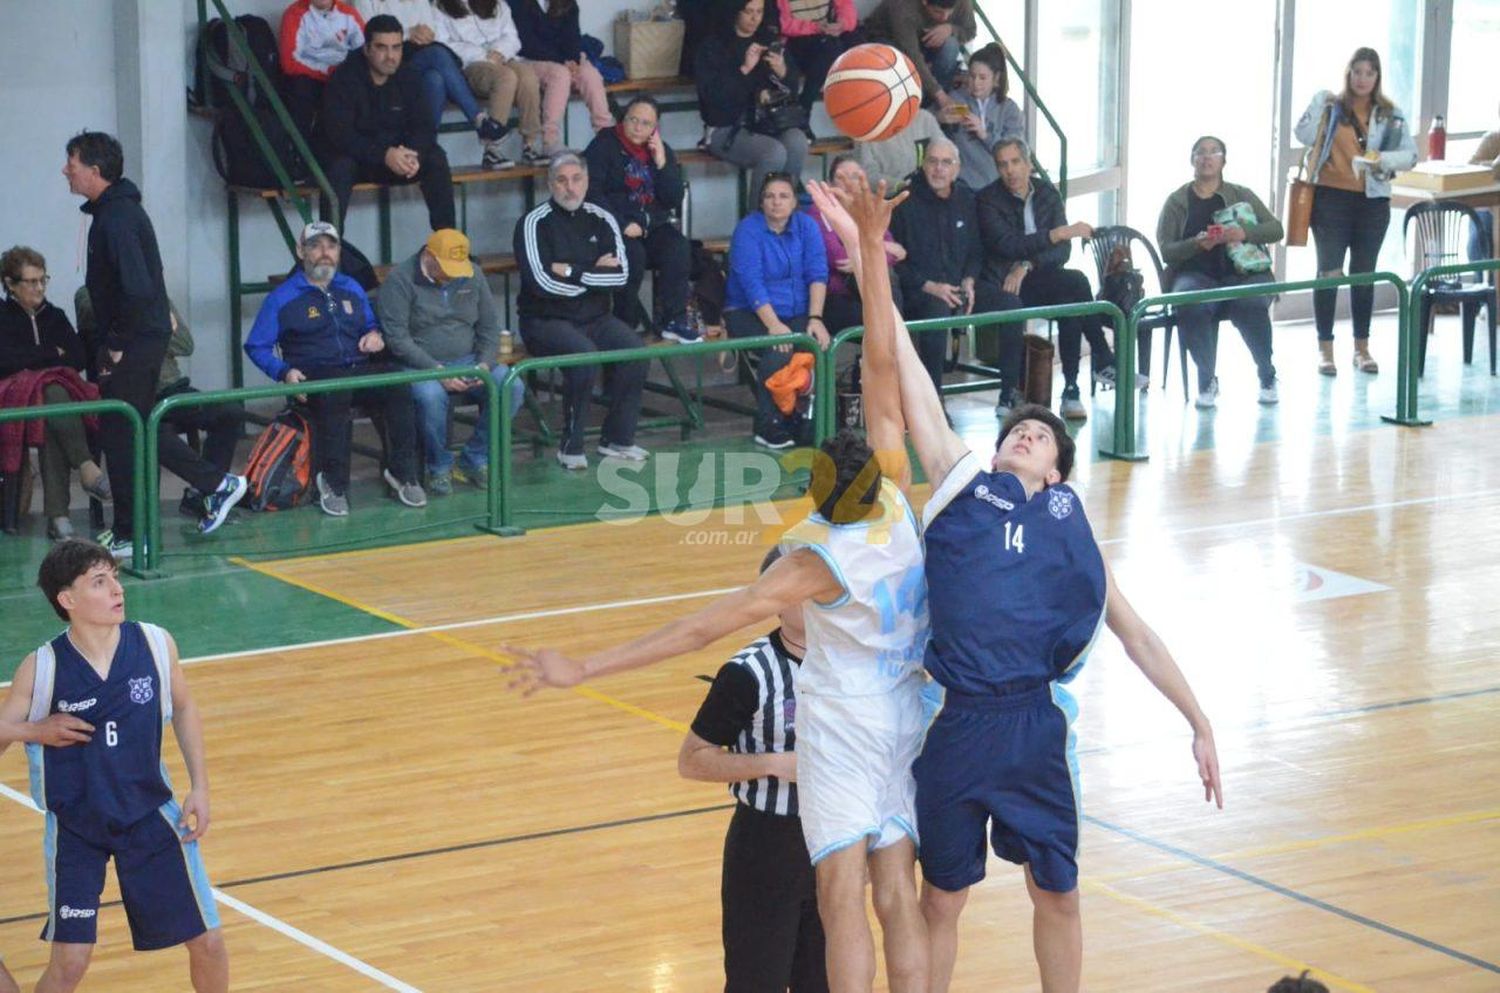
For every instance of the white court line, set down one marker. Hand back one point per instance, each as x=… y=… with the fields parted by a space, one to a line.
x=646 y=601
x=279 y=926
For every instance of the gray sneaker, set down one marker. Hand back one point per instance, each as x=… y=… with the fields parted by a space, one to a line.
x=1208 y=397
x=331 y=503
x=576 y=461
x=440 y=483
x=1009 y=400
x=408 y=493
x=1072 y=406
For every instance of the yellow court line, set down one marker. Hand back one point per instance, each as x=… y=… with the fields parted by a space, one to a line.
x=587 y=692
x=352 y=552
x=1365 y=834
x=1291 y=964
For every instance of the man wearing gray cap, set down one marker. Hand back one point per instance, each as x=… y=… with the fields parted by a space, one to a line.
x=319 y=325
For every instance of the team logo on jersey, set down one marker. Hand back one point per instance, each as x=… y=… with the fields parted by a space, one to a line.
x=69 y=913
x=789 y=713
x=64 y=707
x=982 y=492
x=348 y=306
x=1060 y=503
x=312 y=314
x=140 y=690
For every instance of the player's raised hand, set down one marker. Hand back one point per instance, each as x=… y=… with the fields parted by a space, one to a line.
x=535 y=670
x=825 y=196
x=194 y=817
x=1207 y=757
x=869 y=207
x=62 y=730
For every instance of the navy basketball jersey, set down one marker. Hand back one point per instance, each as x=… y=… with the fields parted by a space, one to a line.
x=1016 y=587
x=117 y=778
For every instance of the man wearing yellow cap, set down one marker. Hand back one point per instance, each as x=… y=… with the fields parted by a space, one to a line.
x=436 y=311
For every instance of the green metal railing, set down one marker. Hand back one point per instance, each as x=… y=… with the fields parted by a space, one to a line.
x=1036 y=100
x=138 y=507
x=1122 y=445
x=164 y=409
x=1409 y=360
x=1405 y=371
x=501 y=506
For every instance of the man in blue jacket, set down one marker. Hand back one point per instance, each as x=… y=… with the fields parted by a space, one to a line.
x=321 y=323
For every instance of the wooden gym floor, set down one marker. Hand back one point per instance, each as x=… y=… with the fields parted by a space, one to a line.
x=387 y=816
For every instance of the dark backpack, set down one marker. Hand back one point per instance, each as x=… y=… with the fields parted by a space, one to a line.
x=222 y=65
x=239 y=159
x=280 y=467
x=1123 y=284
x=709 y=284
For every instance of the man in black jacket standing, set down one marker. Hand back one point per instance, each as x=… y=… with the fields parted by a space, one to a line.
x=377 y=128
x=125 y=283
x=1027 y=238
x=571 y=257
x=634 y=175
x=938 y=225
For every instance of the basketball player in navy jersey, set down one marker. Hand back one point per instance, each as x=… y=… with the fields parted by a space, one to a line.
x=108 y=796
x=855 y=567
x=1018 y=592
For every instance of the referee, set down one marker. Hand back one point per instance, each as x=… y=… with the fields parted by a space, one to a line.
x=773 y=940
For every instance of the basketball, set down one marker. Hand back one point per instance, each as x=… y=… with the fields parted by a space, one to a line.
x=872 y=92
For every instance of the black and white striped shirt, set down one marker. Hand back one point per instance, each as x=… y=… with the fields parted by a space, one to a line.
x=752 y=709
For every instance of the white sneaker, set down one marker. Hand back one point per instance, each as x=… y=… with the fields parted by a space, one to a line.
x=630 y=453
x=1268 y=395
x=578 y=461
x=1209 y=398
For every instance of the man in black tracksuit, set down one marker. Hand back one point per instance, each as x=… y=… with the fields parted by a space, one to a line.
x=1027 y=240
x=938 y=226
x=572 y=258
x=377 y=128
x=129 y=295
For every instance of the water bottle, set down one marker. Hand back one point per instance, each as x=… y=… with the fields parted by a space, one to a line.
x=1437 y=139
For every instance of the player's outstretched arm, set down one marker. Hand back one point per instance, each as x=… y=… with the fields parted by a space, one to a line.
x=795 y=577
x=870 y=215
x=1150 y=654
x=187 y=725
x=938 y=447
x=57 y=730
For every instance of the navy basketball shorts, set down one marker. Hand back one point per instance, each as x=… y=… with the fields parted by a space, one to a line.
x=1006 y=763
x=163 y=884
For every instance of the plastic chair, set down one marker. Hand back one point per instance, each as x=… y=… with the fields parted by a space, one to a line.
x=1441 y=239
x=1103 y=243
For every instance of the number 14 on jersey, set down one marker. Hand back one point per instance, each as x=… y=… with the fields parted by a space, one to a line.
x=1015 y=537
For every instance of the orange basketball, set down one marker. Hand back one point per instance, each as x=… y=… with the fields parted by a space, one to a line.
x=872 y=92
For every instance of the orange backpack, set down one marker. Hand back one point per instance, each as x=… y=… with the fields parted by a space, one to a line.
x=280 y=467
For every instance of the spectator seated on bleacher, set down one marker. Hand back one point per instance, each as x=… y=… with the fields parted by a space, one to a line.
x=222 y=424
x=634 y=175
x=552 y=43
x=896 y=158
x=777 y=285
x=746 y=87
x=436 y=310
x=38 y=345
x=439 y=69
x=318 y=325
x=316 y=37
x=572 y=258
x=1027 y=240
x=378 y=128
x=980 y=114
x=932 y=33
x=939 y=225
x=842 y=307
x=817 y=32
x=483 y=36
x=1206 y=246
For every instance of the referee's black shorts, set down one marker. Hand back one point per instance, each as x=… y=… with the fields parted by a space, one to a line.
x=773 y=939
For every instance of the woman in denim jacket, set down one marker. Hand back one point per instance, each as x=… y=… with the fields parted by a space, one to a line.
x=1362 y=141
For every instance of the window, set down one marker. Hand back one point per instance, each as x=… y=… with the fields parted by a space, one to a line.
x=1476 y=39
x=1079 y=59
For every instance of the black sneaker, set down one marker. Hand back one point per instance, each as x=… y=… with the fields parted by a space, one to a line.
x=192 y=504
x=1072 y=407
x=490 y=129
x=495 y=159
x=775 y=438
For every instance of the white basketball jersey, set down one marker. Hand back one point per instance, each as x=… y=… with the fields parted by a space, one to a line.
x=874 y=636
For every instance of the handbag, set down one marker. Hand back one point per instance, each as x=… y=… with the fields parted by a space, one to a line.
x=1299 y=195
x=779 y=111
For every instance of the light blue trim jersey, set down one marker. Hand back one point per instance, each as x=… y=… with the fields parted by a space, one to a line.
x=872 y=637
x=1017 y=587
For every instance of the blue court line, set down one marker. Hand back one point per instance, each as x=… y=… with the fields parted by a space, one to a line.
x=1322 y=715
x=1280 y=890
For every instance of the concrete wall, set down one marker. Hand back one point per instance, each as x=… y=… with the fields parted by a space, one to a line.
x=124 y=67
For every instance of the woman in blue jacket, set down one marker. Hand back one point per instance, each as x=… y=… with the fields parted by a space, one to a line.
x=1361 y=141
x=778 y=280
